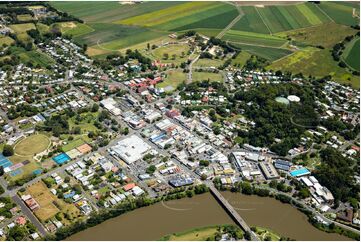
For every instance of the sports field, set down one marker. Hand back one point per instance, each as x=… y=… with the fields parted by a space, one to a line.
x=73 y=28
x=351 y=55
x=204 y=76
x=32 y=145
x=173 y=79
x=180 y=53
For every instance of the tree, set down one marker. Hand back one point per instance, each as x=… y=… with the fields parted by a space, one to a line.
x=151 y=169
x=165 y=56
x=95 y=108
x=8 y=150
x=204 y=163
x=17 y=233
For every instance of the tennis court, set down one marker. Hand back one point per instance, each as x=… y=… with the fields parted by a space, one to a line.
x=16 y=172
x=62 y=158
x=5 y=162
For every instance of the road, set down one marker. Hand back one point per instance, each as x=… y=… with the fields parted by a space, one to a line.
x=27 y=212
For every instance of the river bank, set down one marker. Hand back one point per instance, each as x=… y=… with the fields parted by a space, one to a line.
x=167 y=217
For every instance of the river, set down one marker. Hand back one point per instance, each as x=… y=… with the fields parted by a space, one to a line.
x=153 y=222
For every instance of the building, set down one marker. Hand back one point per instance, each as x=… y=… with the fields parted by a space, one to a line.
x=282 y=165
x=130 y=149
x=268 y=170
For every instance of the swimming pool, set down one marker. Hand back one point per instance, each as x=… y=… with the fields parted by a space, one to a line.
x=60 y=159
x=300 y=172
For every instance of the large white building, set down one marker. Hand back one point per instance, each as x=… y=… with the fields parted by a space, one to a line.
x=130 y=149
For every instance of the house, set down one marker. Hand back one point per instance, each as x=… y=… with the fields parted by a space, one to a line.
x=129 y=187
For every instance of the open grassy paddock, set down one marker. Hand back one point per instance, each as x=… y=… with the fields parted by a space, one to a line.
x=173 y=79
x=73 y=28
x=313 y=57
x=180 y=51
x=24 y=17
x=269 y=53
x=198 y=234
x=6 y=40
x=22 y=28
x=202 y=76
x=49 y=204
x=32 y=144
x=209 y=62
x=316 y=35
x=241 y=59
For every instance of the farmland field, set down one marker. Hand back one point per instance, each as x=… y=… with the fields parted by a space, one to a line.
x=340 y=13
x=251 y=21
x=253 y=38
x=26 y=146
x=107 y=12
x=351 y=54
x=268 y=53
x=166 y=15
x=313 y=56
x=282 y=18
x=216 y=17
x=317 y=36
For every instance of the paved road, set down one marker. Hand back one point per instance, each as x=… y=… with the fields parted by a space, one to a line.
x=27 y=212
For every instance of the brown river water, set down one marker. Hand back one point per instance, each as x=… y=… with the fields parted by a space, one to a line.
x=153 y=222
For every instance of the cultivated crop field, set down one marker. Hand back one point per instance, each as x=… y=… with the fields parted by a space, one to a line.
x=253 y=38
x=269 y=53
x=340 y=12
x=351 y=54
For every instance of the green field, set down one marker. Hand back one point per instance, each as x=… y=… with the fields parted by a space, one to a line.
x=341 y=13
x=173 y=79
x=241 y=59
x=22 y=28
x=282 y=18
x=203 y=76
x=351 y=55
x=72 y=145
x=253 y=38
x=217 y=17
x=209 y=63
x=32 y=145
x=168 y=14
x=268 y=53
x=34 y=56
x=73 y=28
x=317 y=35
x=107 y=12
x=180 y=52
x=6 y=40
x=24 y=17
x=251 y=21
x=319 y=64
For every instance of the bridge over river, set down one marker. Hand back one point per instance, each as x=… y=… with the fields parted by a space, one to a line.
x=230 y=210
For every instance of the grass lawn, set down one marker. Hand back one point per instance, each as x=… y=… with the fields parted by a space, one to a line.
x=327 y=34
x=22 y=28
x=209 y=62
x=180 y=52
x=264 y=233
x=173 y=79
x=201 y=76
x=24 y=17
x=72 y=144
x=313 y=57
x=198 y=234
x=42 y=28
x=6 y=40
x=32 y=144
x=351 y=55
x=241 y=59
